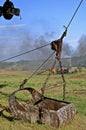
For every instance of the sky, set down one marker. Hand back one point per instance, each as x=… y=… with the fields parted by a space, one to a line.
x=40 y=19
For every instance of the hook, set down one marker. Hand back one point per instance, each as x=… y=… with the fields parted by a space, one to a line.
x=65 y=27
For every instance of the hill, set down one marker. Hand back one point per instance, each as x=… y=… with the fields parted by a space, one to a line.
x=31 y=65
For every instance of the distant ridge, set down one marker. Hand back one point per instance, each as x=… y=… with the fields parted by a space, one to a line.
x=31 y=65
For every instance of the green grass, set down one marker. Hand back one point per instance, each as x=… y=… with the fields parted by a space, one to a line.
x=75 y=93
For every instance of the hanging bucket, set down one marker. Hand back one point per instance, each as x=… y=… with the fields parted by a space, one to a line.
x=43 y=110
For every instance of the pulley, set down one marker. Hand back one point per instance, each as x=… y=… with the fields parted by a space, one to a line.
x=8 y=10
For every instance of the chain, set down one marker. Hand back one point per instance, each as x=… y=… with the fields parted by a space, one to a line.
x=25 y=80
x=49 y=74
x=63 y=78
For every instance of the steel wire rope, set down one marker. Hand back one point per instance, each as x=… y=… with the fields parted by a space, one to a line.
x=48 y=76
x=41 y=65
x=74 y=14
x=25 y=80
x=48 y=44
x=45 y=44
x=66 y=27
x=24 y=53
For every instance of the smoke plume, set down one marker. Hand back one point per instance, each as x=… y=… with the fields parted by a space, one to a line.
x=67 y=50
x=81 y=49
x=29 y=43
x=13 y=42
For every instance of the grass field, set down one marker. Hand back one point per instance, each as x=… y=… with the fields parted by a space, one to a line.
x=75 y=93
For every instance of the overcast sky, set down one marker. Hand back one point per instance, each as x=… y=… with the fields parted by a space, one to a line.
x=40 y=18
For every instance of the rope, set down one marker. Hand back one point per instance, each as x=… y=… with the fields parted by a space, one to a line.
x=25 y=80
x=49 y=74
x=24 y=53
x=74 y=14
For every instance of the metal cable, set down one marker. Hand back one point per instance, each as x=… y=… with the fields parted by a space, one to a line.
x=74 y=14
x=46 y=44
x=48 y=76
x=24 y=53
x=41 y=65
x=25 y=80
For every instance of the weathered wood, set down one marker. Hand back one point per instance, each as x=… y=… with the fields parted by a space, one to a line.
x=44 y=110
